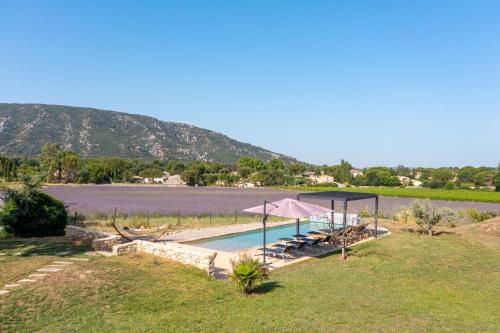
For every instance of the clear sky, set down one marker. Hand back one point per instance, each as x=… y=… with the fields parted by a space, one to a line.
x=373 y=82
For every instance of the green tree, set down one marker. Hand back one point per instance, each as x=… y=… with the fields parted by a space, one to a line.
x=465 y=174
x=190 y=177
x=50 y=162
x=276 y=164
x=296 y=168
x=151 y=173
x=69 y=166
x=496 y=181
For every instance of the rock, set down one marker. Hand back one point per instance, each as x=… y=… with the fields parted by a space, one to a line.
x=48 y=269
x=12 y=285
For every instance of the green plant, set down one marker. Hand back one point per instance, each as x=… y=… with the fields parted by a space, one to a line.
x=30 y=213
x=248 y=273
x=427 y=216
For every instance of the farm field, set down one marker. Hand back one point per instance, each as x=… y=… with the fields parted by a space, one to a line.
x=203 y=200
x=423 y=193
x=402 y=283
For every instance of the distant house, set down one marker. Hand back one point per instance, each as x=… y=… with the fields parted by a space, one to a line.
x=416 y=183
x=245 y=184
x=174 y=180
x=404 y=180
x=321 y=179
x=418 y=174
x=356 y=172
x=308 y=174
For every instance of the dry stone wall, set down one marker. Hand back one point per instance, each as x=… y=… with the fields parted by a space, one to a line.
x=203 y=259
x=101 y=241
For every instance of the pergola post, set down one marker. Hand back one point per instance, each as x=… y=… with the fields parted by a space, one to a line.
x=264 y=220
x=297 y=226
x=344 y=222
x=376 y=216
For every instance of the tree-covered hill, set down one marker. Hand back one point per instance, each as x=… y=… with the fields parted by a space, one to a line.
x=25 y=128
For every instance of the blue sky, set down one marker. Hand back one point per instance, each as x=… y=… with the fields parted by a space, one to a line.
x=373 y=82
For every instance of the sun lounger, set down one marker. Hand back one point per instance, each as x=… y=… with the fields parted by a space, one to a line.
x=279 y=251
x=314 y=243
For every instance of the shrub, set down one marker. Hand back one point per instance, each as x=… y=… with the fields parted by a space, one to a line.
x=427 y=216
x=476 y=216
x=30 y=213
x=248 y=273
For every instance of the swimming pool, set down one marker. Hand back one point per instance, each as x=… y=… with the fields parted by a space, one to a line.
x=248 y=239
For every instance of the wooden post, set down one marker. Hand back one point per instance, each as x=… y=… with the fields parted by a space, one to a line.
x=235 y=216
x=344 y=254
x=210 y=216
x=178 y=217
x=376 y=216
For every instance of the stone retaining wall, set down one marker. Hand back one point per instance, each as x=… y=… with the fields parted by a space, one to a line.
x=101 y=241
x=186 y=254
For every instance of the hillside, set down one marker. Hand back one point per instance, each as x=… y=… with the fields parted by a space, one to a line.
x=24 y=128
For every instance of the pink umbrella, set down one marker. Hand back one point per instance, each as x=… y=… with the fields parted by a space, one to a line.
x=289 y=208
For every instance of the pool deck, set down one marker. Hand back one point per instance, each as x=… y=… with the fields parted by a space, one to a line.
x=202 y=233
x=223 y=259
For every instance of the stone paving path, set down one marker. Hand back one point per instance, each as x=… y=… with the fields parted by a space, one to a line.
x=54 y=267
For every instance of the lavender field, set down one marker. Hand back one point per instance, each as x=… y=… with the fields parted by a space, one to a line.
x=197 y=200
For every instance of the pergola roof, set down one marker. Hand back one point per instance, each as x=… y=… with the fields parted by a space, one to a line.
x=338 y=195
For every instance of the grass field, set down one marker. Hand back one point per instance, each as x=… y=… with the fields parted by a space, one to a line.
x=423 y=193
x=405 y=282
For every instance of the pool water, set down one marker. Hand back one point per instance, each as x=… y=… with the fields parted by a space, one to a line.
x=248 y=239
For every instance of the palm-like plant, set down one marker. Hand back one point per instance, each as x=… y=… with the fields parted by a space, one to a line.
x=248 y=273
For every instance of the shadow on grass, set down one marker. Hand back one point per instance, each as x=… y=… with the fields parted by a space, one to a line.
x=426 y=233
x=49 y=246
x=267 y=287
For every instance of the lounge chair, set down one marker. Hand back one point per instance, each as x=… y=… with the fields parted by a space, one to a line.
x=285 y=252
x=315 y=242
x=298 y=249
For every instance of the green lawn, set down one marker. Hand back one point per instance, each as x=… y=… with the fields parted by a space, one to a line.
x=423 y=193
x=402 y=283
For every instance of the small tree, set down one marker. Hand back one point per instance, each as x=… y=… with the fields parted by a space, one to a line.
x=30 y=213
x=427 y=216
x=248 y=273
x=496 y=181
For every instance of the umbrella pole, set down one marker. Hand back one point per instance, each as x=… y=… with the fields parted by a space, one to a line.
x=297 y=229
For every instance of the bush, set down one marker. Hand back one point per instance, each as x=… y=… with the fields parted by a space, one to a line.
x=30 y=213
x=248 y=273
x=476 y=216
x=427 y=216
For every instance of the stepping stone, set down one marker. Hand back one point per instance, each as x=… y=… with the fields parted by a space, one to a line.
x=79 y=259
x=90 y=253
x=38 y=275
x=64 y=253
x=48 y=270
x=17 y=253
x=4 y=292
x=26 y=281
x=63 y=262
x=33 y=254
x=3 y=254
x=12 y=285
x=104 y=253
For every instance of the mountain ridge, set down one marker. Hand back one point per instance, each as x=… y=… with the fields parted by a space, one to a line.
x=92 y=132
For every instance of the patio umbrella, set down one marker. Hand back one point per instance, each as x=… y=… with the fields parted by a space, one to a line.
x=289 y=208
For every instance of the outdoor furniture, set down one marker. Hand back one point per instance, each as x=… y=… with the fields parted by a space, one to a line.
x=298 y=249
x=314 y=243
x=285 y=252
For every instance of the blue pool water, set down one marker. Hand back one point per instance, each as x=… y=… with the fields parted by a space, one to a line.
x=244 y=240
